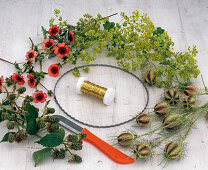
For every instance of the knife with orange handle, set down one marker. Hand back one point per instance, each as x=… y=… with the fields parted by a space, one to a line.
x=107 y=149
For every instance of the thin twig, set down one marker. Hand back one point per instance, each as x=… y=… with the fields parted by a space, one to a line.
x=31 y=43
x=6 y=61
x=107 y=16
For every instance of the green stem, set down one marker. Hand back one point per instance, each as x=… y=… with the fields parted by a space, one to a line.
x=38 y=136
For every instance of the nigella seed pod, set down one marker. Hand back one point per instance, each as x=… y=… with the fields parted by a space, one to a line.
x=142 y=151
x=150 y=77
x=143 y=120
x=189 y=102
x=190 y=90
x=172 y=96
x=173 y=150
x=171 y=121
x=126 y=139
x=161 y=108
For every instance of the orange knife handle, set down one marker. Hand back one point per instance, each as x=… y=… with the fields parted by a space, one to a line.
x=107 y=149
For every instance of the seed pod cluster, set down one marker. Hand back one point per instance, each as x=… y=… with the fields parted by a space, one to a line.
x=143 y=119
x=171 y=121
x=126 y=139
x=190 y=90
x=189 y=102
x=172 y=97
x=150 y=77
x=173 y=150
x=161 y=109
x=142 y=151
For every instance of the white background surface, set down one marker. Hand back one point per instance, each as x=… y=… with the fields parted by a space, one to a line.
x=185 y=20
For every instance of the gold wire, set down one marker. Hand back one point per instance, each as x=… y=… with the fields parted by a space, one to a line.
x=93 y=89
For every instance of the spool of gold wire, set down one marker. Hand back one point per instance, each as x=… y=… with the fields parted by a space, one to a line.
x=87 y=87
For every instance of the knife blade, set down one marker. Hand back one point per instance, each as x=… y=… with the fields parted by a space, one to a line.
x=107 y=149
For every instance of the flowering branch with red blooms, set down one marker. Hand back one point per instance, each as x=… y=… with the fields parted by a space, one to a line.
x=17 y=108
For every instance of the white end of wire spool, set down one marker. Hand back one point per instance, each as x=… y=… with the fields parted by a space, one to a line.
x=109 y=94
x=79 y=84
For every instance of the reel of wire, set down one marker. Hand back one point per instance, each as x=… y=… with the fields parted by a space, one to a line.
x=87 y=87
x=99 y=65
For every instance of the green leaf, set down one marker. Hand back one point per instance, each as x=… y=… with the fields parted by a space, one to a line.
x=60 y=132
x=1 y=111
x=5 y=138
x=158 y=31
x=6 y=102
x=38 y=156
x=108 y=25
x=31 y=110
x=31 y=125
x=51 y=140
x=44 y=32
x=51 y=55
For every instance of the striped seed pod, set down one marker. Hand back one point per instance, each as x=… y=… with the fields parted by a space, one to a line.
x=150 y=77
x=190 y=90
x=171 y=121
x=189 y=102
x=161 y=108
x=172 y=96
x=142 y=151
x=126 y=139
x=143 y=119
x=173 y=150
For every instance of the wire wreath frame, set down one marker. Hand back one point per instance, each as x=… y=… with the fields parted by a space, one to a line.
x=100 y=65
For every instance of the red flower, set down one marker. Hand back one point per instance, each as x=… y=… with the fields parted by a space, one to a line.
x=61 y=50
x=48 y=43
x=18 y=78
x=31 y=82
x=1 y=81
x=53 y=70
x=31 y=55
x=39 y=96
x=53 y=30
x=71 y=38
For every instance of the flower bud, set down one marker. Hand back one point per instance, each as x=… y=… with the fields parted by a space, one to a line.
x=173 y=150
x=189 y=102
x=143 y=119
x=161 y=109
x=142 y=151
x=41 y=124
x=190 y=90
x=11 y=124
x=172 y=96
x=126 y=139
x=11 y=97
x=50 y=93
x=75 y=158
x=150 y=77
x=11 y=138
x=50 y=110
x=21 y=90
x=5 y=116
x=171 y=121
x=72 y=138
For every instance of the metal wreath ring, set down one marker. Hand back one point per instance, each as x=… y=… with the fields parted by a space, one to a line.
x=102 y=65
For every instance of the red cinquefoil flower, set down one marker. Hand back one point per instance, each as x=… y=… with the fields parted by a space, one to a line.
x=1 y=81
x=31 y=55
x=71 y=38
x=18 y=78
x=31 y=81
x=61 y=50
x=53 y=70
x=53 y=30
x=39 y=96
x=48 y=43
